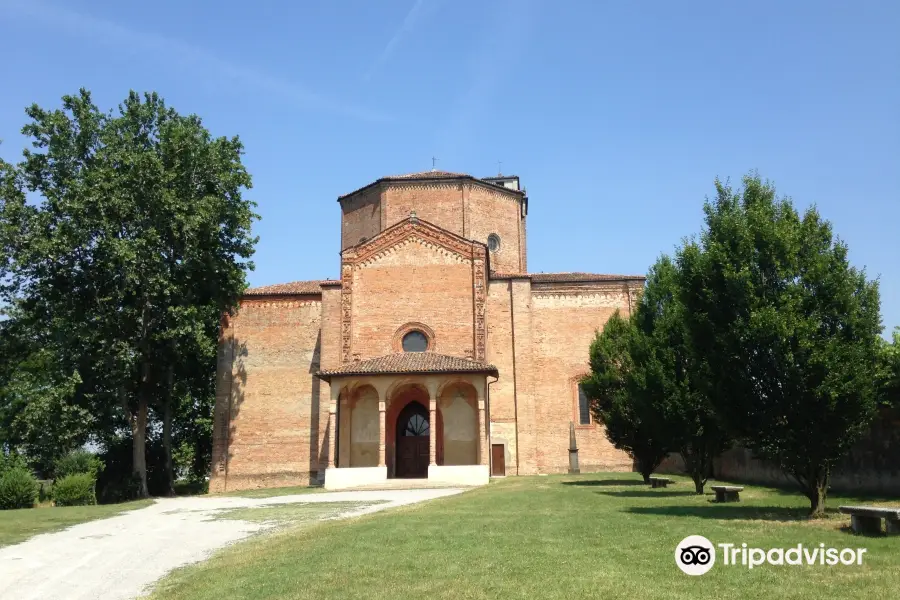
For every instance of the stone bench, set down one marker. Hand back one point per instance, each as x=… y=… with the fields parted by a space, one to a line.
x=660 y=482
x=867 y=519
x=727 y=493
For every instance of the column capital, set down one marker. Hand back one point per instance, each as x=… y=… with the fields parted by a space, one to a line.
x=481 y=404
x=332 y=408
x=381 y=387
x=335 y=392
x=382 y=406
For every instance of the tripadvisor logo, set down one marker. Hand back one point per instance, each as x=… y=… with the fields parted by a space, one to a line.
x=696 y=555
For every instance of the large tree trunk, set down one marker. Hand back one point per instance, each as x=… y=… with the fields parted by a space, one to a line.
x=814 y=483
x=696 y=463
x=817 y=490
x=139 y=446
x=167 y=433
x=139 y=434
x=646 y=468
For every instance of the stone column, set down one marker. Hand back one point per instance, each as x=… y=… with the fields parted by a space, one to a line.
x=432 y=386
x=482 y=433
x=432 y=432
x=381 y=435
x=332 y=425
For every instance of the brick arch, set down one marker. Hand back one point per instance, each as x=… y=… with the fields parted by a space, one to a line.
x=450 y=449
x=573 y=387
x=399 y=395
x=397 y=340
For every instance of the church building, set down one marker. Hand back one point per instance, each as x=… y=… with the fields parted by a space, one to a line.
x=434 y=354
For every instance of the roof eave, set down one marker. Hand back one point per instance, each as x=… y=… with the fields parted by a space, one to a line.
x=426 y=179
x=327 y=377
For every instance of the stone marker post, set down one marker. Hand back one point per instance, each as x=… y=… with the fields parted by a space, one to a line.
x=573 y=450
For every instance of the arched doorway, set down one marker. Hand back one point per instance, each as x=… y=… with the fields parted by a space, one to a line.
x=413 y=441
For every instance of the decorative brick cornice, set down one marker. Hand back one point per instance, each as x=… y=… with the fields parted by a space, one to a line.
x=479 y=285
x=434 y=178
x=277 y=302
x=411 y=228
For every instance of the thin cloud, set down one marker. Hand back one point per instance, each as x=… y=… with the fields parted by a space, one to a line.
x=188 y=57
x=409 y=22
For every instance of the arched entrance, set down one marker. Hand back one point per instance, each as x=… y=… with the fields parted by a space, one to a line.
x=413 y=441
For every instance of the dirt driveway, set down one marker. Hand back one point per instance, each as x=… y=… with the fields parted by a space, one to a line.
x=119 y=557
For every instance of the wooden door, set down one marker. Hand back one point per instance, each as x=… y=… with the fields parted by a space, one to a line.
x=413 y=441
x=498 y=460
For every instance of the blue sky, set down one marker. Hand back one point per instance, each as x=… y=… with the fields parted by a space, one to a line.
x=617 y=115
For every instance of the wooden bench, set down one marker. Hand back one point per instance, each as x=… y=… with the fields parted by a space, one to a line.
x=727 y=493
x=660 y=482
x=867 y=519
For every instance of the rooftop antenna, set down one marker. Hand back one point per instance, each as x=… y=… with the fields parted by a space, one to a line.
x=499 y=169
x=433 y=162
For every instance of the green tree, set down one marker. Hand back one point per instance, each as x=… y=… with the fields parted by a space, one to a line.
x=674 y=380
x=613 y=385
x=889 y=371
x=38 y=412
x=140 y=228
x=788 y=328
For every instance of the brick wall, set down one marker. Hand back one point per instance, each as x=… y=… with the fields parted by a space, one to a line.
x=565 y=318
x=418 y=282
x=438 y=203
x=361 y=217
x=472 y=211
x=493 y=211
x=274 y=400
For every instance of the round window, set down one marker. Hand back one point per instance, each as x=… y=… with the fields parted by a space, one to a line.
x=494 y=242
x=415 y=341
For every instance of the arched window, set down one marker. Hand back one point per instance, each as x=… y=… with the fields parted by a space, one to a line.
x=584 y=407
x=494 y=242
x=415 y=341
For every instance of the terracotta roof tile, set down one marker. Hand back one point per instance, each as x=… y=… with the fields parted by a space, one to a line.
x=429 y=175
x=288 y=289
x=409 y=362
x=567 y=277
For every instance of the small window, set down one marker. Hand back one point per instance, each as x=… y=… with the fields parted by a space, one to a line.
x=415 y=341
x=494 y=242
x=584 y=407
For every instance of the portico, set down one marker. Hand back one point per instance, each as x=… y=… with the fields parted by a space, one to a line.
x=418 y=415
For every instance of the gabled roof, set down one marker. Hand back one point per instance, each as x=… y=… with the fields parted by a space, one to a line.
x=289 y=289
x=409 y=362
x=432 y=176
x=408 y=227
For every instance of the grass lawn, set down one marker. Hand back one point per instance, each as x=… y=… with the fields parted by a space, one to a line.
x=589 y=536
x=19 y=525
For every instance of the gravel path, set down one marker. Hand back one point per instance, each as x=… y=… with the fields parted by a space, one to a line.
x=119 y=557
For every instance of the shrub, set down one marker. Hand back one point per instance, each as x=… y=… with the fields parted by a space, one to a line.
x=78 y=461
x=18 y=489
x=75 y=490
x=11 y=461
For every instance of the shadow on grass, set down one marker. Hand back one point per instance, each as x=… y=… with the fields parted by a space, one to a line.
x=657 y=493
x=726 y=512
x=606 y=482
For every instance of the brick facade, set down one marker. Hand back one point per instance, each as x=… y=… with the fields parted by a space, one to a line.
x=414 y=257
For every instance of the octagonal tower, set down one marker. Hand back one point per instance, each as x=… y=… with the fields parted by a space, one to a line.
x=491 y=211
